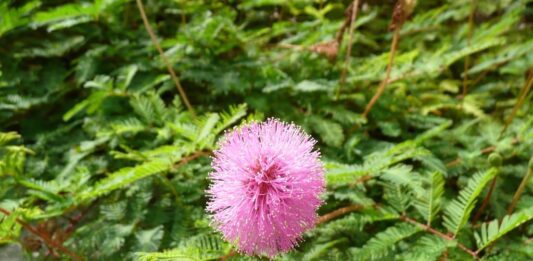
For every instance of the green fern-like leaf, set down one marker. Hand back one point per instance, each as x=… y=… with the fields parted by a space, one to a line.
x=355 y=195
x=495 y=229
x=9 y=228
x=402 y=174
x=427 y=247
x=124 y=177
x=202 y=247
x=428 y=203
x=338 y=174
x=330 y=131
x=355 y=222
x=459 y=210
x=385 y=241
x=206 y=127
x=6 y=137
x=229 y=117
x=12 y=158
x=320 y=250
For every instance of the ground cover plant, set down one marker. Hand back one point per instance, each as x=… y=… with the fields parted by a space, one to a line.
x=110 y=111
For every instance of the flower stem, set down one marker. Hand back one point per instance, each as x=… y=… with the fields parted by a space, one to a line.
x=468 y=39
x=518 y=104
x=51 y=243
x=521 y=188
x=440 y=234
x=337 y=213
x=164 y=58
x=355 y=8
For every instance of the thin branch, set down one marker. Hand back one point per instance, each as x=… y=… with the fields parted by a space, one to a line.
x=347 y=19
x=45 y=237
x=399 y=15
x=355 y=8
x=468 y=40
x=341 y=211
x=384 y=82
x=330 y=49
x=485 y=201
x=486 y=150
x=518 y=104
x=191 y=157
x=337 y=213
x=521 y=188
x=166 y=181
x=229 y=255
x=164 y=58
x=440 y=234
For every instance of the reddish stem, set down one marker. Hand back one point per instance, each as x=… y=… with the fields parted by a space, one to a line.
x=385 y=81
x=192 y=157
x=355 y=7
x=337 y=213
x=45 y=237
x=439 y=234
x=485 y=202
x=175 y=78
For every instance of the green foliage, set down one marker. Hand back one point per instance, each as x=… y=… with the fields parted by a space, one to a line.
x=380 y=245
x=428 y=202
x=98 y=153
x=495 y=229
x=428 y=247
x=201 y=247
x=459 y=210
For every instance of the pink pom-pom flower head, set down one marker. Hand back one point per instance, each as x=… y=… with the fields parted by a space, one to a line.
x=266 y=187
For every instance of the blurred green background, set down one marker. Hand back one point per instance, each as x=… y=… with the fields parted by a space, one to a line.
x=101 y=158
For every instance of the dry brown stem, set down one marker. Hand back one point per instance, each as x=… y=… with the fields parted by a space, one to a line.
x=164 y=58
x=440 y=234
x=520 y=189
x=385 y=81
x=468 y=39
x=337 y=213
x=355 y=8
x=399 y=15
x=51 y=243
x=521 y=98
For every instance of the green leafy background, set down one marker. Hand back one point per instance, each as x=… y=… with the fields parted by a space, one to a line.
x=99 y=153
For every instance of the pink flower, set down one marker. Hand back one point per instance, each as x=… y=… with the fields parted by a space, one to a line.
x=265 y=188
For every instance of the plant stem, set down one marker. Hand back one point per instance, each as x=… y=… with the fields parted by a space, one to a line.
x=440 y=234
x=229 y=255
x=164 y=58
x=518 y=104
x=355 y=8
x=485 y=201
x=191 y=157
x=521 y=188
x=51 y=243
x=337 y=213
x=468 y=39
x=166 y=181
x=344 y=210
x=384 y=82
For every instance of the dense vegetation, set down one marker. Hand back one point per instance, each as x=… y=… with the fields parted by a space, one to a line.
x=103 y=158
